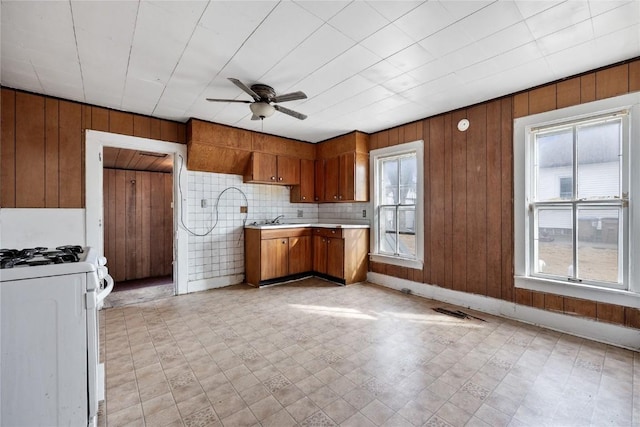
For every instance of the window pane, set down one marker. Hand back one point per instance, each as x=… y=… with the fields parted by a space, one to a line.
x=599 y=155
x=554 y=242
x=598 y=246
x=407 y=231
x=554 y=159
x=387 y=242
x=390 y=182
x=408 y=180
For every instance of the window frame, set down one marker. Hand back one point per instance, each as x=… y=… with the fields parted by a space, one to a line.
x=375 y=161
x=523 y=178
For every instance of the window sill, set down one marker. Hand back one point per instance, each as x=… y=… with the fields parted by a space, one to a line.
x=402 y=262
x=575 y=290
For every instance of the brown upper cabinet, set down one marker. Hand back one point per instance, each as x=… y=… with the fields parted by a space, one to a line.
x=271 y=169
x=305 y=192
x=342 y=169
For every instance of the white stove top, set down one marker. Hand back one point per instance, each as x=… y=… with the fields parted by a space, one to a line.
x=88 y=262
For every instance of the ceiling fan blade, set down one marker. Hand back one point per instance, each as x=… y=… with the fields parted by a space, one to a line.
x=244 y=88
x=290 y=112
x=229 y=100
x=290 y=97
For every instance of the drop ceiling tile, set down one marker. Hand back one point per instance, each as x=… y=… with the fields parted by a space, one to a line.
x=616 y=19
x=410 y=58
x=401 y=83
x=461 y=9
x=317 y=50
x=446 y=41
x=381 y=72
x=324 y=10
x=518 y=56
x=500 y=14
x=558 y=17
x=566 y=38
x=341 y=68
x=393 y=10
x=230 y=23
x=478 y=71
x=368 y=19
x=112 y=21
x=563 y=63
x=426 y=19
x=597 y=7
x=432 y=71
x=507 y=39
x=387 y=41
x=529 y=8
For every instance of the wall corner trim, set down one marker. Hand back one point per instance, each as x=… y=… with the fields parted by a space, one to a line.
x=607 y=333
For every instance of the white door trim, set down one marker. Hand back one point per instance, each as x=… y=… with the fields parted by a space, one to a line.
x=95 y=142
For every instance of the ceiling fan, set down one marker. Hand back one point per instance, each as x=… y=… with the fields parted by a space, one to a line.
x=265 y=100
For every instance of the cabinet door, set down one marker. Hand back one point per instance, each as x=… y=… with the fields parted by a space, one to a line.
x=274 y=258
x=288 y=170
x=335 y=257
x=299 y=254
x=347 y=173
x=307 y=181
x=319 y=181
x=320 y=254
x=332 y=179
x=264 y=167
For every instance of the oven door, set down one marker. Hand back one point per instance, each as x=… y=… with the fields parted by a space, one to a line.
x=96 y=380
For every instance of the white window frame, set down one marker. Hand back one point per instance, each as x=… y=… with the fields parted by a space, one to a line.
x=522 y=143
x=375 y=157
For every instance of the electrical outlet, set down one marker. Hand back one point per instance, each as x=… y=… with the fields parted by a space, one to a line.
x=364 y=213
x=300 y=213
x=203 y=203
x=244 y=209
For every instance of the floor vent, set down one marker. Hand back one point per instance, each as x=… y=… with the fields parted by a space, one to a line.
x=458 y=314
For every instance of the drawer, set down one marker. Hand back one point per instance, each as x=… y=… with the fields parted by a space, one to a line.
x=327 y=232
x=279 y=233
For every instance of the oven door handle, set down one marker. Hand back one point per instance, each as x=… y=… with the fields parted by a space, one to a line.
x=100 y=296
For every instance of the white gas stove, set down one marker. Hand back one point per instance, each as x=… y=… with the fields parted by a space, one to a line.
x=50 y=370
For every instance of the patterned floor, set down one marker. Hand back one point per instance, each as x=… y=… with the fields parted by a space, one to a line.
x=315 y=354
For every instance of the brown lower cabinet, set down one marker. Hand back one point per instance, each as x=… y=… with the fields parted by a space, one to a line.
x=335 y=253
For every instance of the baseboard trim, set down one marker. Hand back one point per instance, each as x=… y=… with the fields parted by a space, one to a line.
x=214 y=282
x=607 y=333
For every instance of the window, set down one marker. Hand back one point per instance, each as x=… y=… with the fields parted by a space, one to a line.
x=398 y=204
x=573 y=201
x=566 y=187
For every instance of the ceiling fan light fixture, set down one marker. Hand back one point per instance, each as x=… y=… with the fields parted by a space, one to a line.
x=262 y=109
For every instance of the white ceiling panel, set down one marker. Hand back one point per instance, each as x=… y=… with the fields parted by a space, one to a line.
x=387 y=41
x=364 y=65
x=424 y=20
x=369 y=21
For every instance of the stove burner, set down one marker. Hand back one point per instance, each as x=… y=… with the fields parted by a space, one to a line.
x=39 y=255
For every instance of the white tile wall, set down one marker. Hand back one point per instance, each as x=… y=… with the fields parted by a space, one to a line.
x=221 y=251
x=344 y=212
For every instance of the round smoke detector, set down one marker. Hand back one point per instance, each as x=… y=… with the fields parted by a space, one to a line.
x=463 y=125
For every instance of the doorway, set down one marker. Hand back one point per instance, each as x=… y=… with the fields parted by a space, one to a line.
x=138 y=222
x=102 y=165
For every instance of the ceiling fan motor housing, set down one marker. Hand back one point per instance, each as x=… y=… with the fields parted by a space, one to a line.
x=266 y=93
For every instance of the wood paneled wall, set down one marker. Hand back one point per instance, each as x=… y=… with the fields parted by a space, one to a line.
x=469 y=192
x=138 y=223
x=42 y=146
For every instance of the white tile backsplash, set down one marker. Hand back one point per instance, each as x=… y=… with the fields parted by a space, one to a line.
x=221 y=251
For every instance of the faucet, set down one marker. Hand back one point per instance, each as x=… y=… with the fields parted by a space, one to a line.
x=276 y=220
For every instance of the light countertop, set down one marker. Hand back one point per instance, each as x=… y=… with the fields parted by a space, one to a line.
x=304 y=225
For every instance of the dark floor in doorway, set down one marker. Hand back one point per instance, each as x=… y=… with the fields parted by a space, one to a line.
x=128 y=285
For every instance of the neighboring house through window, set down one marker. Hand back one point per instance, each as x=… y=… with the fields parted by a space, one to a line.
x=578 y=241
x=397 y=183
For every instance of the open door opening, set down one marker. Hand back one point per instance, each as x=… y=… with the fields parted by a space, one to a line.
x=138 y=224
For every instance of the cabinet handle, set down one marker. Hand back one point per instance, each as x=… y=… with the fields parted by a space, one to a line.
x=333 y=231
x=335 y=197
x=273 y=178
x=317 y=198
x=283 y=242
x=304 y=198
x=280 y=179
x=340 y=197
